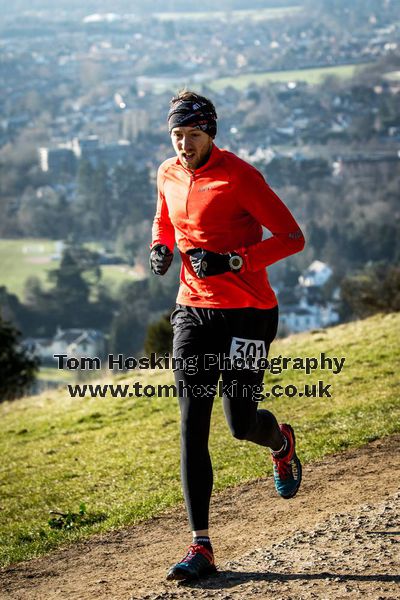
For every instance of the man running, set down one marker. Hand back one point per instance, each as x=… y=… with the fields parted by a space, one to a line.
x=213 y=205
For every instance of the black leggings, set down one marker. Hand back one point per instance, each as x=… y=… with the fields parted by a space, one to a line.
x=202 y=338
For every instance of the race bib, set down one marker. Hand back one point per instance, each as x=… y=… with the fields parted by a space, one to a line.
x=246 y=353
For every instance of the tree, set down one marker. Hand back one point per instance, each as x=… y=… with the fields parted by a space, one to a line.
x=128 y=327
x=44 y=213
x=132 y=195
x=375 y=289
x=93 y=207
x=69 y=301
x=70 y=287
x=159 y=337
x=10 y=306
x=162 y=291
x=77 y=297
x=17 y=368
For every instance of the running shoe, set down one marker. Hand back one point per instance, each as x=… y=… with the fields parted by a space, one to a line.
x=198 y=562
x=287 y=470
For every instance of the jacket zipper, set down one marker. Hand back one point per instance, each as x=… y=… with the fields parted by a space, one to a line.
x=188 y=194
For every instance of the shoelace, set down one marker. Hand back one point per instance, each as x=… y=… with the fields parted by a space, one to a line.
x=283 y=467
x=193 y=549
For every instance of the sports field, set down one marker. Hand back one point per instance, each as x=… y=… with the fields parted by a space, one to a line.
x=311 y=76
x=392 y=76
x=24 y=258
x=233 y=15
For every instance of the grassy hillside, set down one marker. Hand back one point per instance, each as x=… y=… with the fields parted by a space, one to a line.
x=120 y=456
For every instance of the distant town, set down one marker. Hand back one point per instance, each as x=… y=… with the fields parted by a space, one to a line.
x=308 y=93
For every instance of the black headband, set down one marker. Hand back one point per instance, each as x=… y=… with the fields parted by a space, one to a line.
x=189 y=113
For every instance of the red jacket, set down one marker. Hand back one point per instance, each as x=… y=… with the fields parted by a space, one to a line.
x=221 y=207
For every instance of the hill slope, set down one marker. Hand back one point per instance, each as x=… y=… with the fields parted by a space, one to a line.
x=335 y=539
x=120 y=456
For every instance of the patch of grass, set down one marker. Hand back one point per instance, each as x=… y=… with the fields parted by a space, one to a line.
x=311 y=76
x=56 y=375
x=120 y=457
x=73 y=520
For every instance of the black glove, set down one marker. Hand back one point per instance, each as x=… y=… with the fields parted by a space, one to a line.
x=160 y=259
x=206 y=263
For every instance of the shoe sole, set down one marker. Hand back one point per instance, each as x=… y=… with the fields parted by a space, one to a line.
x=182 y=575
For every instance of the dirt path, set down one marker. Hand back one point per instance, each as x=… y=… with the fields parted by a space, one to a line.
x=337 y=539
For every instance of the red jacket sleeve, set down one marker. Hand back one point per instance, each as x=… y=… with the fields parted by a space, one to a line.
x=268 y=209
x=163 y=231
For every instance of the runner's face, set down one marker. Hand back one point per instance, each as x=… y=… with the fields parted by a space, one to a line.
x=192 y=146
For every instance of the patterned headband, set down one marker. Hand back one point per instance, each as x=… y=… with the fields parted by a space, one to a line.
x=188 y=113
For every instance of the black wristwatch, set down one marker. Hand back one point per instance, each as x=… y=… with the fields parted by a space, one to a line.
x=235 y=262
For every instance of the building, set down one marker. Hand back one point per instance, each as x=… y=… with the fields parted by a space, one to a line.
x=134 y=122
x=362 y=164
x=317 y=274
x=57 y=160
x=74 y=343
x=65 y=157
x=302 y=317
